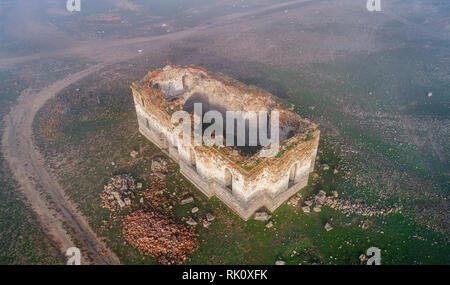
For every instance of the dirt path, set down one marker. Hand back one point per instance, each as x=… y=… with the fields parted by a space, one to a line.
x=46 y=197
x=29 y=169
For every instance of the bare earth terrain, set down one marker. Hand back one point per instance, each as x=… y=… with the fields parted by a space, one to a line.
x=46 y=197
x=362 y=76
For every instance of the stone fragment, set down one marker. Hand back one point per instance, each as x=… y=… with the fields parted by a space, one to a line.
x=306 y=209
x=280 y=262
x=134 y=154
x=191 y=222
x=187 y=200
x=328 y=227
x=139 y=186
x=269 y=224
x=335 y=194
x=206 y=224
x=261 y=216
x=194 y=210
x=325 y=167
x=317 y=209
x=210 y=217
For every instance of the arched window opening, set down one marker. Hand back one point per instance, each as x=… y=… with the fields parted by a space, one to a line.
x=228 y=180
x=164 y=141
x=292 y=175
x=193 y=159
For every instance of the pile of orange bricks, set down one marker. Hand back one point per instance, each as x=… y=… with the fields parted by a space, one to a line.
x=159 y=236
x=158 y=196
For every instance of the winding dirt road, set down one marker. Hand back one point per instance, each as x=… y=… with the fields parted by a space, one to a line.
x=46 y=197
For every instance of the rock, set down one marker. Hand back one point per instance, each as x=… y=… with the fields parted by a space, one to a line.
x=187 y=200
x=308 y=202
x=269 y=224
x=365 y=225
x=191 y=222
x=206 y=224
x=335 y=171
x=120 y=202
x=430 y=94
x=159 y=166
x=363 y=258
x=306 y=209
x=325 y=167
x=294 y=200
x=113 y=163
x=320 y=198
x=335 y=194
x=280 y=262
x=210 y=217
x=328 y=227
x=141 y=200
x=139 y=186
x=127 y=201
x=134 y=154
x=194 y=210
x=261 y=216
x=317 y=209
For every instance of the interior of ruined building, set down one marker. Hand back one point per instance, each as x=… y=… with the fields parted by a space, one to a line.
x=181 y=90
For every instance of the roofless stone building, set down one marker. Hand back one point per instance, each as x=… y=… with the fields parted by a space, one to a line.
x=238 y=176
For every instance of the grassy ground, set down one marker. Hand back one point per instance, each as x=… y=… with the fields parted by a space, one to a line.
x=82 y=132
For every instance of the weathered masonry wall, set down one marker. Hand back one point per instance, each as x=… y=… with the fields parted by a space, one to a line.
x=244 y=191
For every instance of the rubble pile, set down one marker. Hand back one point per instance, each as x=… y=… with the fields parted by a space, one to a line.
x=159 y=166
x=345 y=206
x=295 y=200
x=159 y=236
x=348 y=207
x=119 y=192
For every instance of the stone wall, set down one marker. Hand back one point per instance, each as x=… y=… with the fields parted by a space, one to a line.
x=267 y=185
